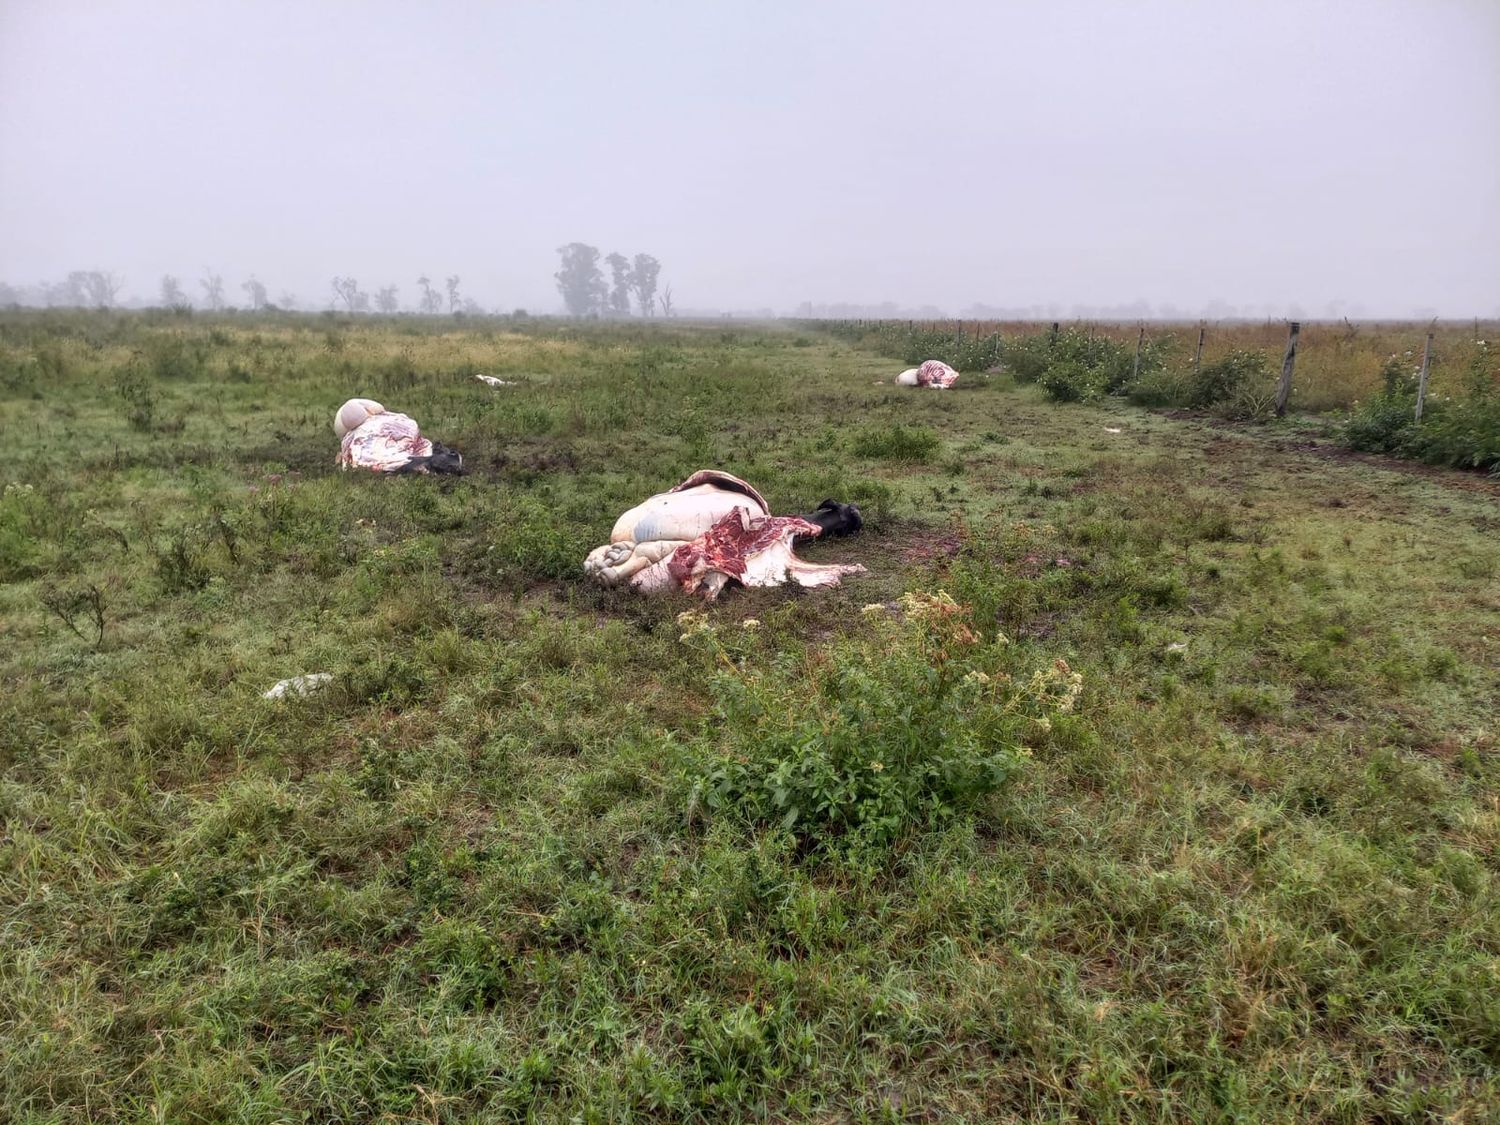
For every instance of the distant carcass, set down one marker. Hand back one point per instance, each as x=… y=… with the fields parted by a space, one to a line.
x=933 y=373
x=372 y=437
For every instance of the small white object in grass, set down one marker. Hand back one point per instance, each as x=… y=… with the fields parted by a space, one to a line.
x=493 y=381
x=299 y=685
x=1177 y=646
x=1113 y=430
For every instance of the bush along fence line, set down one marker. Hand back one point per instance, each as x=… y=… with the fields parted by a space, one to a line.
x=1461 y=430
x=1386 y=408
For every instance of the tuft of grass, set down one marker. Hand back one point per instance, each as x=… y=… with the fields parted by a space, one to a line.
x=896 y=442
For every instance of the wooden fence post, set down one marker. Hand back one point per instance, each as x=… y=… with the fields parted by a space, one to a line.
x=1198 y=358
x=1135 y=372
x=1284 y=388
x=1422 y=379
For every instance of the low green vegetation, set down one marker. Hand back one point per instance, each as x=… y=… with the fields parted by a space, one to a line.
x=1458 y=431
x=896 y=442
x=1241 y=385
x=1149 y=774
x=877 y=736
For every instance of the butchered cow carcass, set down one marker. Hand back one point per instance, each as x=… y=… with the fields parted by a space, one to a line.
x=372 y=437
x=934 y=373
x=714 y=529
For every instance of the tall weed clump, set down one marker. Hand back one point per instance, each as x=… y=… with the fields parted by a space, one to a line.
x=25 y=516
x=879 y=735
x=1458 y=431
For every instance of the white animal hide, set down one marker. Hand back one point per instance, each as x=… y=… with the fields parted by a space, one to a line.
x=354 y=414
x=710 y=529
x=380 y=440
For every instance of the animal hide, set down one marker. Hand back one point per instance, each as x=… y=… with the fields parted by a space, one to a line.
x=752 y=550
x=687 y=510
x=372 y=437
x=353 y=414
x=711 y=529
x=934 y=373
x=383 y=444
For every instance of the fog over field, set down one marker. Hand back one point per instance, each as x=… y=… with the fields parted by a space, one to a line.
x=982 y=159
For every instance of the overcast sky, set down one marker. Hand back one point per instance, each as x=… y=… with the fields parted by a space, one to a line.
x=1266 y=155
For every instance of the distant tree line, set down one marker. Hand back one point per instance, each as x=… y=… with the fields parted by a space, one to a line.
x=585 y=292
x=101 y=289
x=387 y=300
x=631 y=289
x=80 y=289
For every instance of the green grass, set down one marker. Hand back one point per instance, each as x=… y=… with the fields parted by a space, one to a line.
x=524 y=858
x=896 y=442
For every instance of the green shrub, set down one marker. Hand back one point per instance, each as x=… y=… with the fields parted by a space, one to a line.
x=1068 y=380
x=1461 y=433
x=1223 y=380
x=1254 y=400
x=1075 y=366
x=1382 y=424
x=1458 y=432
x=1110 y=362
x=175 y=357
x=885 y=734
x=181 y=566
x=140 y=398
x=1398 y=378
x=1162 y=389
x=896 y=443
x=1025 y=357
x=1237 y=386
x=19 y=372
x=974 y=355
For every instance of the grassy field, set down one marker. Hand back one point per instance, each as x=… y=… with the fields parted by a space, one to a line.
x=524 y=857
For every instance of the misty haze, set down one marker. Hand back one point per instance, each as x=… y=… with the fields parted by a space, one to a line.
x=1004 y=161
